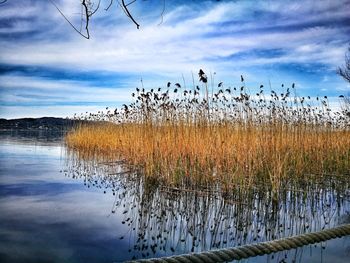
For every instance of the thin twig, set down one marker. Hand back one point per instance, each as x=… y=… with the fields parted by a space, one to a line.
x=110 y=4
x=162 y=14
x=125 y=7
x=131 y=2
x=98 y=6
x=70 y=23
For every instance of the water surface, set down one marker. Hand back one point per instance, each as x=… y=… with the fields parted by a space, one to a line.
x=59 y=208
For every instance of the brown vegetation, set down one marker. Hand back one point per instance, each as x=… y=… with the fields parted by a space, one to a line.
x=193 y=137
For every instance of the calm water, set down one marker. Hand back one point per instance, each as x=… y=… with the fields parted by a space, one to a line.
x=58 y=208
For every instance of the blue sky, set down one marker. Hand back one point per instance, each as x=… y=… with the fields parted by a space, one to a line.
x=47 y=69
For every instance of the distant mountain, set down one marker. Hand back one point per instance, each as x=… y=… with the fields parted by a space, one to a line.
x=45 y=123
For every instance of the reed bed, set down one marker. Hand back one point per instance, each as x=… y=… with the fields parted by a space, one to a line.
x=228 y=135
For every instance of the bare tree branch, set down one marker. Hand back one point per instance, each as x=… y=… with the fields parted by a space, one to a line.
x=98 y=6
x=81 y=18
x=344 y=71
x=110 y=4
x=87 y=18
x=88 y=9
x=125 y=8
x=131 y=2
x=162 y=14
x=87 y=36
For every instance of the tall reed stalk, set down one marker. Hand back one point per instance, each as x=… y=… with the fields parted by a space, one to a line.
x=180 y=136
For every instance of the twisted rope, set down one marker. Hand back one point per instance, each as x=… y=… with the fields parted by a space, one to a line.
x=258 y=249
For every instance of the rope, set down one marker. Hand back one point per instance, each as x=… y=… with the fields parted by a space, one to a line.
x=258 y=249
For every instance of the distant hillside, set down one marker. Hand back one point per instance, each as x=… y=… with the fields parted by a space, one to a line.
x=45 y=123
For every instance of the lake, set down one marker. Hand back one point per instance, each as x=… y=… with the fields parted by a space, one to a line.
x=59 y=207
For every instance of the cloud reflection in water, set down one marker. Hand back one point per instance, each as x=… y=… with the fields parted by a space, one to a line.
x=48 y=216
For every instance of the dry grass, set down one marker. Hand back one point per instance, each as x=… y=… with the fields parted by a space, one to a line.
x=181 y=136
x=220 y=153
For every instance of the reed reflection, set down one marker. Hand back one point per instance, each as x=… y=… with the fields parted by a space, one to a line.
x=164 y=220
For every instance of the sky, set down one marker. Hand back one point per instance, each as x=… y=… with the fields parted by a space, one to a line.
x=47 y=69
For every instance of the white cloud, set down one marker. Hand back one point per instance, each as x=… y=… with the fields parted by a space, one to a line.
x=165 y=48
x=189 y=38
x=63 y=91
